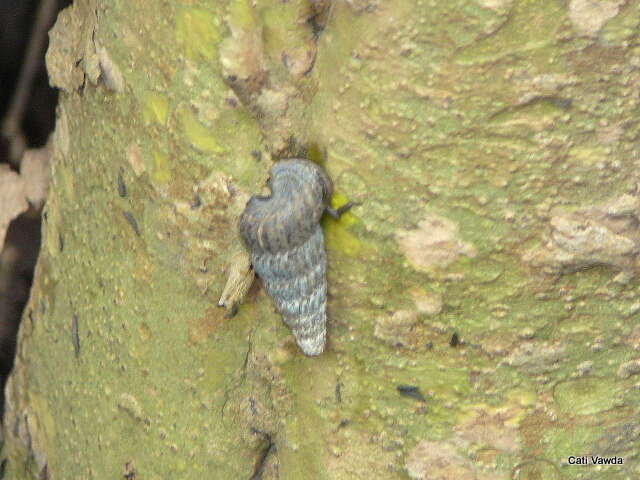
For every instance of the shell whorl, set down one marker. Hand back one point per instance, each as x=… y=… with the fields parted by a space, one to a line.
x=284 y=235
x=300 y=191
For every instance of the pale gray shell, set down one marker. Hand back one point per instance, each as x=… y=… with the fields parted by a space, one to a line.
x=284 y=235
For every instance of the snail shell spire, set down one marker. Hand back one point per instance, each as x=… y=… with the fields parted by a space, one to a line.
x=284 y=235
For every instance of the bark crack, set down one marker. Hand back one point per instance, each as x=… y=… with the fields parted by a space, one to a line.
x=263 y=458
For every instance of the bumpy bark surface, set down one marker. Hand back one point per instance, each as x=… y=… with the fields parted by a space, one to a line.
x=483 y=301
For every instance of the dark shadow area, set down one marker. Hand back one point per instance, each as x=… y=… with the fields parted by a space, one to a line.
x=24 y=88
x=17 y=263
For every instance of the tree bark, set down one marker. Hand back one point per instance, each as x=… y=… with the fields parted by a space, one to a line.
x=483 y=299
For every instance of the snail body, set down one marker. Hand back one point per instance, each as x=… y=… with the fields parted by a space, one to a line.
x=285 y=238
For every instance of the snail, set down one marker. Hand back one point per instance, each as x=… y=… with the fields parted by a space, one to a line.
x=285 y=238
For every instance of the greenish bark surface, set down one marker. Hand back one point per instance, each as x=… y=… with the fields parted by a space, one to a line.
x=494 y=147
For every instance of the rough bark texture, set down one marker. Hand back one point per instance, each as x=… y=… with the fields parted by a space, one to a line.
x=491 y=272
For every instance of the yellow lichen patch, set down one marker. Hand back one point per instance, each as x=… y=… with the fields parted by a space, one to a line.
x=145 y=332
x=52 y=234
x=339 y=200
x=199 y=136
x=522 y=398
x=316 y=153
x=35 y=427
x=242 y=15
x=338 y=236
x=155 y=108
x=197 y=31
x=143 y=267
x=587 y=396
x=341 y=239
x=44 y=420
x=67 y=183
x=161 y=171
x=587 y=155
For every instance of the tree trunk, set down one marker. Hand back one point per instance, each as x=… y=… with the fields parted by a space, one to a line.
x=483 y=298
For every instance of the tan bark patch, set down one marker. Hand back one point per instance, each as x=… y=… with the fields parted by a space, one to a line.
x=611 y=134
x=134 y=156
x=628 y=369
x=435 y=243
x=426 y=302
x=109 y=72
x=239 y=281
x=606 y=234
x=441 y=461
x=495 y=4
x=71 y=52
x=36 y=172
x=588 y=16
x=242 y=55
x=13 y=199
x=495 y=427
x=536 y=357
x=397 y=329
x=633 y=340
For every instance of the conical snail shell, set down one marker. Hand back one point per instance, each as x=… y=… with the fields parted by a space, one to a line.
x=284 y=235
